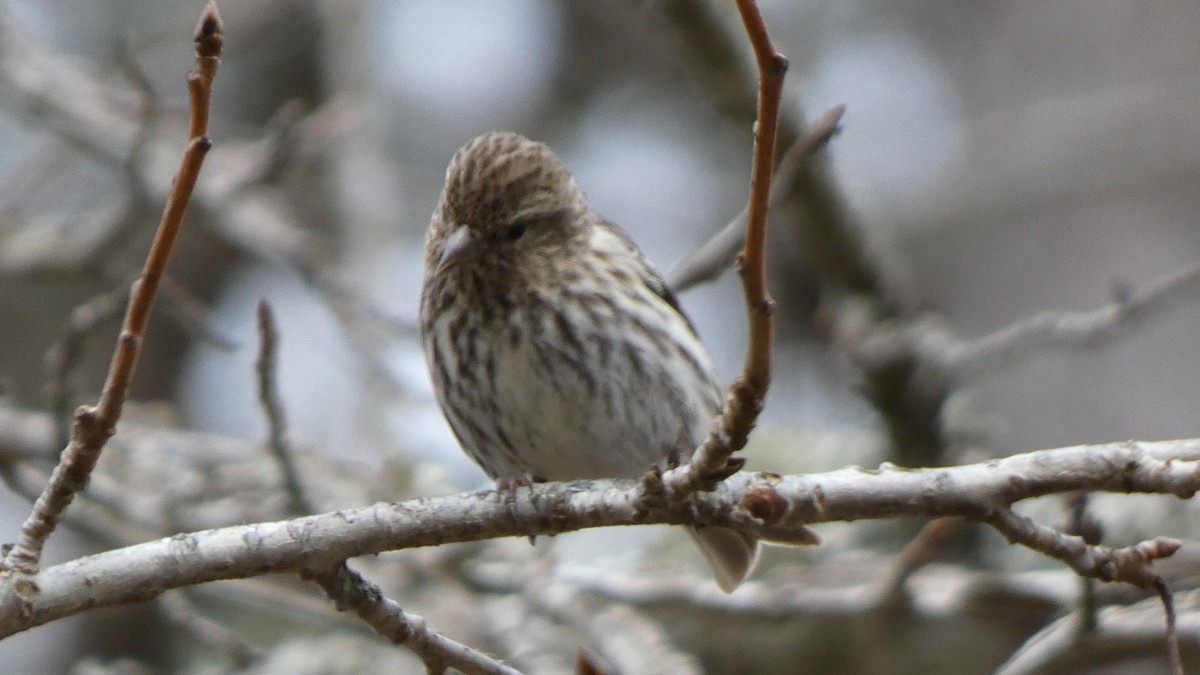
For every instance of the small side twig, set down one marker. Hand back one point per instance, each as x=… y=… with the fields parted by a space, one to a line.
x=346 y=587
x=922 y=550
x=713 y=460
x=63 y=355
x=94 y=425
x=181 y=611
x=351 y=591
x=1132 y=564
x=268 y=396
x=714 y=256
x=1168 y=602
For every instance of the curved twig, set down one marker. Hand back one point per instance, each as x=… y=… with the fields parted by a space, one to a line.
x=713 y=460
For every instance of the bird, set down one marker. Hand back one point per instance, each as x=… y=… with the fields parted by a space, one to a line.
x=555 y=349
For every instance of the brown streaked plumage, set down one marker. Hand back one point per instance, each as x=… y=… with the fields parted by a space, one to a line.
x=555 y=349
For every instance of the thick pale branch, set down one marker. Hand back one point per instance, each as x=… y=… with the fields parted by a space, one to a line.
x=976 y=491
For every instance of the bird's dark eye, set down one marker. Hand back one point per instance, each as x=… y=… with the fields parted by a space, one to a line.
x=515 y=230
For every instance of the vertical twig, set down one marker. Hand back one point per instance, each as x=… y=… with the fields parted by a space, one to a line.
x=713 y=460
x=94 y=425
x=268 y=396
x=345 y=586
x=1087 y=528
x=1168 y=601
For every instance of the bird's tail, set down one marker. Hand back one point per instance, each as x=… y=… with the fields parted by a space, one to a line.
x=730 y=554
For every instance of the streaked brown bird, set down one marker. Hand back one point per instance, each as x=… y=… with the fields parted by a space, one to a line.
x=556 y=350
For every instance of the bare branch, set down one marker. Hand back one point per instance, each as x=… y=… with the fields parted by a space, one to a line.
x=911 y=365
x=268 y=396
x=351 y=591
x=94 y=425
x=63 y=355
x=1131 y=564
x=1124 y=632
x=975 y=491
x=1168 y=602
x=825 y=228
x=713 y=461
x=960 y=359
x=346 y=587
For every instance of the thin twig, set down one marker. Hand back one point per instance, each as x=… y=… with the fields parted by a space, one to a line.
x=958 y=359
x=922 y=550
x=911 y=365
x=192 y=315
x=1126 y=634
x=179 y=609
x=343 y=585
x=710 y=260
x=824 y=226
x=1168 y=602
x=1086 y=527
x=1131 y=564
x=94 y=425
x=63 y=355
x=713 y=461
x=268 y=396
x=351 y=591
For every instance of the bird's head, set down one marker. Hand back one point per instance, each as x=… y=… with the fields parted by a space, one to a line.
x=507 y=202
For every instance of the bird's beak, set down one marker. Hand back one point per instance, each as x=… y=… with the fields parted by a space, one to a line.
x=462 y=246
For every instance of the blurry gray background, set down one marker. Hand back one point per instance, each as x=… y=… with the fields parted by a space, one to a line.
x=1001 y=158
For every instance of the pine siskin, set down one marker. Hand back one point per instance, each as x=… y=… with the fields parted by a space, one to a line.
x=556 y=351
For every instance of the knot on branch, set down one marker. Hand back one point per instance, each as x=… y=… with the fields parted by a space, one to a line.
x=654 y=491
x=765 y=504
